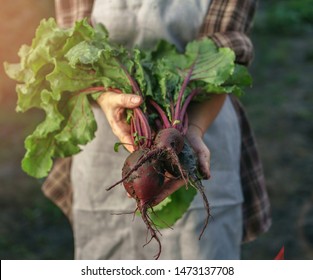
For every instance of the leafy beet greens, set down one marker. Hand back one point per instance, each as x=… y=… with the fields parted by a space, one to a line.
x=63 y=69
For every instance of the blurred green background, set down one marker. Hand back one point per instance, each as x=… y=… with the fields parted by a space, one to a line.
x=280 y=107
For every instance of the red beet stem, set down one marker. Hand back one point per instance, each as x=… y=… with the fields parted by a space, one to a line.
x=161 y=113
x=181 y=93
x=193 y=93
x=144 y=126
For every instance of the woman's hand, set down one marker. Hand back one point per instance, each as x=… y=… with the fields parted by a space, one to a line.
x=114 y=106
x=171 y=184
x=194 y=136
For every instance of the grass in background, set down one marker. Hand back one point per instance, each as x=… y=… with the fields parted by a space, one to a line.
x=285 y=17
x=280 y=109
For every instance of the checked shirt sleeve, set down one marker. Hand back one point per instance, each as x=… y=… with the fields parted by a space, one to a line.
x=227 y=24
x=69 y=11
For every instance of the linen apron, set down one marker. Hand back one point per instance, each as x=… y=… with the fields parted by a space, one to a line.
x=102 y=230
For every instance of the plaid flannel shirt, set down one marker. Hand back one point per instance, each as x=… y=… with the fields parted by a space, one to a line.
x=227 y=23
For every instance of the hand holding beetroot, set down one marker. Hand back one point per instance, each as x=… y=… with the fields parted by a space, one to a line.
x=114 y=106
x=162 y=147
x=80 y=63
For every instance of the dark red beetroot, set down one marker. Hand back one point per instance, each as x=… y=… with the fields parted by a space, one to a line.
x=168 y=143
x=171 y=142
x=144 y=185
x=170 y=139
x=146 y=181
x=143 y=174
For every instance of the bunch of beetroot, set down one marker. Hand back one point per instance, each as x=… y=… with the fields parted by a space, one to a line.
x=161 y=147
x=161 y=150
x=63 y=69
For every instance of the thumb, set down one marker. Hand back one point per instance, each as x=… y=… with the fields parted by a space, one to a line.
x=125 y=100
x=204 y=163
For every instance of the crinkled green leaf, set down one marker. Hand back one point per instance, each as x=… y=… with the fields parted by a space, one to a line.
x=84 y=53
x=38 y=158
x=79 y=126
x=240 y=77
x=15 y=72
x=52 y=71
x=63 y=78
x=203 y=62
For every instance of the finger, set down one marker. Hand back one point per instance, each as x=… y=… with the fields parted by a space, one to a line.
x=204 y=163
x=123 y=134
x=202 y=153
x=127 y=143
x=117 y=119
x=124 y=100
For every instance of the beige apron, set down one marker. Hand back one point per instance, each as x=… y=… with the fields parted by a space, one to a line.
x=98 y=233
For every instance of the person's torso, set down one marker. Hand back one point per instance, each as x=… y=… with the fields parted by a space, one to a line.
x=144 y=22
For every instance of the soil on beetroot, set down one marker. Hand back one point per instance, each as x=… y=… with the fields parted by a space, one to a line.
x=280 y=107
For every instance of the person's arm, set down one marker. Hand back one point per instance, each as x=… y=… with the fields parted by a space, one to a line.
x=69 y=11
x=201 y=115
x=227 y=23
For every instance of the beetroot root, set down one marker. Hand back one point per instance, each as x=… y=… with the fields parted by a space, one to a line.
x=144 y=184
